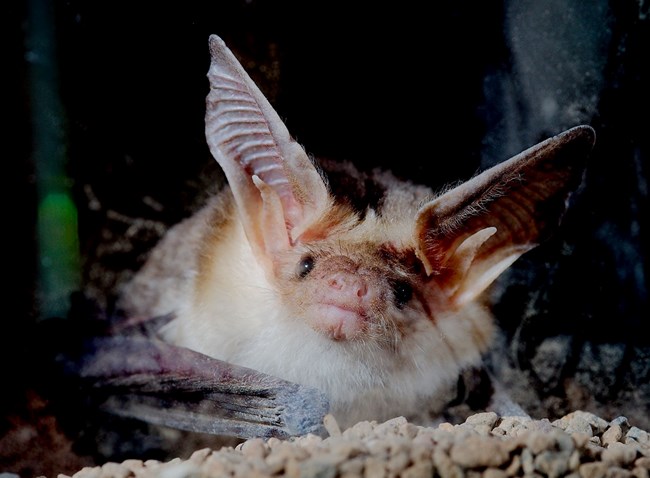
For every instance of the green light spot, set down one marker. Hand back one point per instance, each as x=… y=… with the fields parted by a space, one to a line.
x=59 y=253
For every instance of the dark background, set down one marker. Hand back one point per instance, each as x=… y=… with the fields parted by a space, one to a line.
x=433 y=95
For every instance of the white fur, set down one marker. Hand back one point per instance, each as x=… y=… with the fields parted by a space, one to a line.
x=239 y=318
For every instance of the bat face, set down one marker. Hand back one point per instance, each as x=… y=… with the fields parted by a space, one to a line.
x=358 y=282
x=371 y=298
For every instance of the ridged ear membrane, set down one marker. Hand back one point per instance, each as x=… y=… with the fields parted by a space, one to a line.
x=277 y=189
x=472 y=233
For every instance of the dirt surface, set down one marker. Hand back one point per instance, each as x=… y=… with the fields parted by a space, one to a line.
x=579 y=444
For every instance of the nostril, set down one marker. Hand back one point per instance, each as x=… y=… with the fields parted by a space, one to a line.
x=362 y=289
x=334 y=283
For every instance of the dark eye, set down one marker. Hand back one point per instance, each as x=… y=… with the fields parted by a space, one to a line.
x=402 y=293
x=416 y=267
x=305 y=266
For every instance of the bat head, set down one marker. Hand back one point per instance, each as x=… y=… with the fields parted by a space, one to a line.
x=375 y=275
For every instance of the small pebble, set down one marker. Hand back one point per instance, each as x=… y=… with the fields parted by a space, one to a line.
x=638 y=435
x=612 y=435
x=619 y=454
x=331 y=426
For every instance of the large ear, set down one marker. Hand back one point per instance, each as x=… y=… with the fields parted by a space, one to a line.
x=277 y=189
x=472 y=233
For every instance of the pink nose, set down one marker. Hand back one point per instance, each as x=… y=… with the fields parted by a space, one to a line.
x=348 y=284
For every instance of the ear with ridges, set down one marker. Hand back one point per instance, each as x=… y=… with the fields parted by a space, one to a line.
x=472 y=233
x=249 y=140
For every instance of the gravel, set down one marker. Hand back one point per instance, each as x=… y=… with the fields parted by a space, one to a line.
x=579 y=444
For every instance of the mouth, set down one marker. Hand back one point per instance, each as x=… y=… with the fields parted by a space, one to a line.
x=339 y=322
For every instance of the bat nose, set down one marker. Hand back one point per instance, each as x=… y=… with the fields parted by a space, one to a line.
x=348 y=284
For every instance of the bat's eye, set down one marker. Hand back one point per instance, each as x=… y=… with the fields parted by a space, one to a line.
x=402 y=293
x=305 y=266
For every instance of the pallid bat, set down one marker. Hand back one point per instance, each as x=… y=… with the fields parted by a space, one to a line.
x=358 y=285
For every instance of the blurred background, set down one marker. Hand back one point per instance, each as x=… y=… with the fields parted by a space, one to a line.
x=104 y=110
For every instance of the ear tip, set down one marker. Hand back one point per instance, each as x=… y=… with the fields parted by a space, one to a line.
x=215 y=39
x=216 y=43
x=583 y=132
